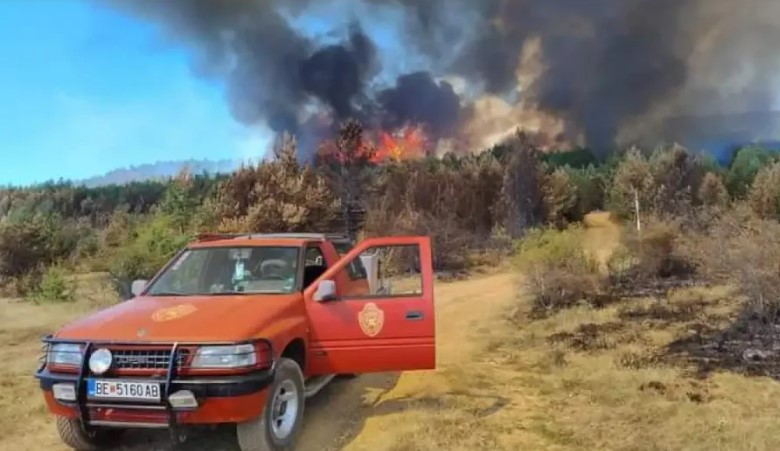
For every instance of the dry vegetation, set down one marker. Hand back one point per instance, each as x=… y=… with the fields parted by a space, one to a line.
x=637 y=374
x=24 y=422
x=599 y=336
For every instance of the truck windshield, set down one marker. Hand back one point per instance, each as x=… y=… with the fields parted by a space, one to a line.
x=229 y=270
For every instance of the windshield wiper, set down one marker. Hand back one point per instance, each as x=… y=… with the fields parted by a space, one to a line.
x=167 y=293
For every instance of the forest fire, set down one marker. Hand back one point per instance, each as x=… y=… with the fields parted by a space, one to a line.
x=406 y=144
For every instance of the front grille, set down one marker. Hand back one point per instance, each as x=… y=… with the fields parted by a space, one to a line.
x=146 y=359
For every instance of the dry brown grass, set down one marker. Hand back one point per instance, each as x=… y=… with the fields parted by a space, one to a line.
x=24 y=423
x=582 y=378
x=612 y=388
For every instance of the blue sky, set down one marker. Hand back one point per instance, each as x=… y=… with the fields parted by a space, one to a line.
x=86 y=90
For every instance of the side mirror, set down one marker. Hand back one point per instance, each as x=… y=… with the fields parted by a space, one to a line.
x=326 y=291
x=138 y=287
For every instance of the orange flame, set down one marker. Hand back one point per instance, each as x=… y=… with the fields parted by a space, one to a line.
x=407 y=144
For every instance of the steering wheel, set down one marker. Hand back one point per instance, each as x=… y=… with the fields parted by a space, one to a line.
x=270 y=270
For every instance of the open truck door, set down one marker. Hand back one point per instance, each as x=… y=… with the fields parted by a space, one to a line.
x=390 y=326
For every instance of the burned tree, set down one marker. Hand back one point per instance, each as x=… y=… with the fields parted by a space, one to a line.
x=522 y=200
x=346 y=165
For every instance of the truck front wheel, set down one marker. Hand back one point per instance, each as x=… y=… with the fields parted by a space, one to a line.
x=75 y=437
x=278 y=427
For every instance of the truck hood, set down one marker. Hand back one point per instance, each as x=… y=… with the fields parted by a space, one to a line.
x=181 y=319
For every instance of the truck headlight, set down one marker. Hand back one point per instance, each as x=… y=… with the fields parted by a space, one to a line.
x=66 y=354
x=232 y=356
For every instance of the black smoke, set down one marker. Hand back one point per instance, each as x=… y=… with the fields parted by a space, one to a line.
x=336 y=74
x=607 y=62
x=612 y=70
x=419 y=99
x=632 y=66
x=275 y=75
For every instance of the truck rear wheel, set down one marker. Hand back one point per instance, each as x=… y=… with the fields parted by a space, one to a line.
x=279 y=425
x=74 y=436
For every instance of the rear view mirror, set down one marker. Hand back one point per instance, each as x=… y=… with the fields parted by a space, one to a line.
x=326 y=291
x=138 y=287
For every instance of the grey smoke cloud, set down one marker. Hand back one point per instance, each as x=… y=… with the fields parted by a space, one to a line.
x=611 y=70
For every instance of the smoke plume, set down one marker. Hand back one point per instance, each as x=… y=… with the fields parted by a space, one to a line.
x=599 y=73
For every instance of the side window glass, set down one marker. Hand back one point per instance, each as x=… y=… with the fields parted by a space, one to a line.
x=357 y=271
x=390 y=271
x=314 y=257
x=314 y=265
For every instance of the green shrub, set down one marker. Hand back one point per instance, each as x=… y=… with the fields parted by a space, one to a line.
x=53 y=287
x=87 y=242
x=157 y=241
x=31 y=242
x=589 y=187
x=577 y=158
x=560 y=197
x=746 y=163
x=556 y=269
x=118 y=231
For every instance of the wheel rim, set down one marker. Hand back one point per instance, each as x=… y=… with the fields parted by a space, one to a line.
x=284 y=409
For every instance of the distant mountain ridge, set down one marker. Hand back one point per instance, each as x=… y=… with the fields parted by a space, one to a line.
x=160 y=170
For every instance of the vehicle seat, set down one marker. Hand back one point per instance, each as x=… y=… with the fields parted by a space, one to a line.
x=312 y=273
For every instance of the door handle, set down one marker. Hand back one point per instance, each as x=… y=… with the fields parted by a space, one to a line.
x=415 y=315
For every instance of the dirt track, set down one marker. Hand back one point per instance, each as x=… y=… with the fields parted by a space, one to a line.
x=349 y=414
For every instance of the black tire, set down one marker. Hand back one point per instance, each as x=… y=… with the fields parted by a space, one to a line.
x=74 y=436
x=259 y=434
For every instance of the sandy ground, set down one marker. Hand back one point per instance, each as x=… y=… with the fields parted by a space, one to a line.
x=348 y=414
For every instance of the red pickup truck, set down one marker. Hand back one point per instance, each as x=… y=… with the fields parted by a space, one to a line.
x=241 y=329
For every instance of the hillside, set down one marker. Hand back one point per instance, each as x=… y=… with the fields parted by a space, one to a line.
x=160 y=170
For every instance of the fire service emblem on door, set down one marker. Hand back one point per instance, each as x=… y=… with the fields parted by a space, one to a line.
x=371 y=319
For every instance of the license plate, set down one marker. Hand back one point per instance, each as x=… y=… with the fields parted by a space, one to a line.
x=140 y=391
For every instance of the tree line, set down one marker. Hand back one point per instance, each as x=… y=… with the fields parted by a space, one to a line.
x=474 y=206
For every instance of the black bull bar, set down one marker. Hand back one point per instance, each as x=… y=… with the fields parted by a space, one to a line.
x=211 y=385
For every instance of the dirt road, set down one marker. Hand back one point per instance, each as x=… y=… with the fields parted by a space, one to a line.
x=378 y=411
